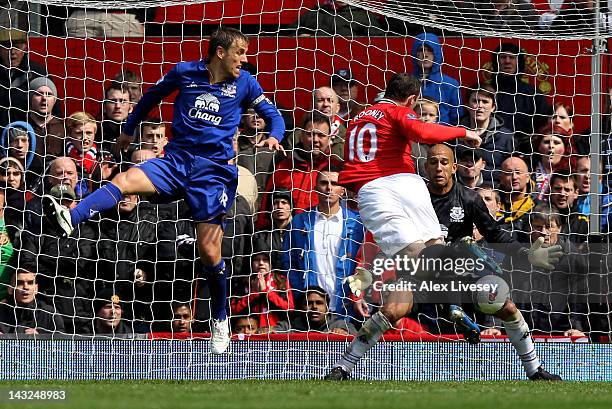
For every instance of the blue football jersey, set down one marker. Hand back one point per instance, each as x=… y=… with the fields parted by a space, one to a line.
x=206 y=116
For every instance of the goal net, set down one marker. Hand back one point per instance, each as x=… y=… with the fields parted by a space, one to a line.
x=126 y=295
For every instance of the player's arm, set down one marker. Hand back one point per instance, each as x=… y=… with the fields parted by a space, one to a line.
x=427 y=133
x=268 y=111
x=153 y=96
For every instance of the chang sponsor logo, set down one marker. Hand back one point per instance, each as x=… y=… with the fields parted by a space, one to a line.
x=208 y=102
x=203 y=103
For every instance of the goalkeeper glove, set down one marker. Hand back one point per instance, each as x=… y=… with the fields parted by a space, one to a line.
x=544 y=257
x=359 y=281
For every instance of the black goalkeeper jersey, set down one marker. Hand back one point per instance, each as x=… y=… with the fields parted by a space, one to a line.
x=462 y=208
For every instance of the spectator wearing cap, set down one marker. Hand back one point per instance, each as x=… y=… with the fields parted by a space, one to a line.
x=109 y=314
x=323 y=245
x=267 y=296
x=24 y=312
x=326 y=101
x=42 y=114
x=273 y=234
x=315 y=315
x=469 y=167
x=298 y=172
x=347 y=89
x=19 y=141
x=336 y=18
x=442 y=88
x=522 y=108
x=49 y=129
x=17 y=70
x=62 y=170
x=497 y=140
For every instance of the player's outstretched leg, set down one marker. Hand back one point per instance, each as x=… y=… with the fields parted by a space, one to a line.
x=65 y=220
x=133 y=181
x=397 y=306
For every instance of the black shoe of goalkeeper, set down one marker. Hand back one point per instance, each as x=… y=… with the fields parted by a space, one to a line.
x=337 y=374
x=543 y=375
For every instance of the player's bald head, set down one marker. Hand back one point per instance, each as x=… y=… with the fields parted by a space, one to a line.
x=441 y=150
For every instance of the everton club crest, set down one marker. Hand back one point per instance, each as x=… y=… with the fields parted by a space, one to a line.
x=456 y=214
x=229 y=90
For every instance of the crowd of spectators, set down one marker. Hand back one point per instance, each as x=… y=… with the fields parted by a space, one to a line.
x=294 y=234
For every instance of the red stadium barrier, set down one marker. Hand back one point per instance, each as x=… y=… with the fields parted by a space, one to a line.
x=289 y=67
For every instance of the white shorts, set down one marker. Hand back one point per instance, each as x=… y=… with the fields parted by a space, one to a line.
x=397 y=210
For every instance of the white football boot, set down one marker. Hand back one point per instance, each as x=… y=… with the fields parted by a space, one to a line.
x=57 y=214
x=220 y=339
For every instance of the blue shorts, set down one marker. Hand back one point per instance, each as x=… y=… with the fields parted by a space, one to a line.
x=208 y=187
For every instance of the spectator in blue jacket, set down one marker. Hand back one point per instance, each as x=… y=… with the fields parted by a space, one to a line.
x=323 y=244
x=428 y=59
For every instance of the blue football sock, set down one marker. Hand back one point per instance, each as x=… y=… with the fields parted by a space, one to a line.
x=102 y=199
x=217 y=281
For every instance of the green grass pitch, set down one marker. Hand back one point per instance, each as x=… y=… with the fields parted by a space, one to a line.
x=254 y=394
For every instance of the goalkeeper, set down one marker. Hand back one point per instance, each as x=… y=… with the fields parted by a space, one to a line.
x=458 y=208
x=212 y=96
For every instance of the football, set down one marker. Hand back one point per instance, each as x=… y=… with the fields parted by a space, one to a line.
x=494 y=293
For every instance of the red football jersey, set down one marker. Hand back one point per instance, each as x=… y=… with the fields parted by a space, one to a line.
x=378 y=142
